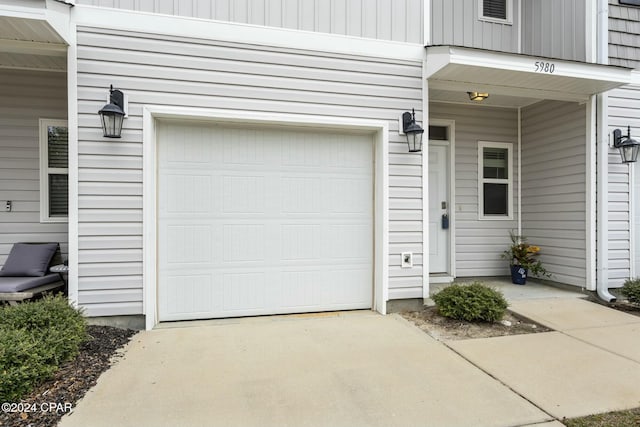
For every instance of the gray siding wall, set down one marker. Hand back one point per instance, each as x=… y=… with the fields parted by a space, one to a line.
x=398 y=20
x=554 y=28
x=479 y=243
x=624 y=35
x=554 y=187
x=27 y=96
x=455 y=22
x=160 y=70
x=624 y=110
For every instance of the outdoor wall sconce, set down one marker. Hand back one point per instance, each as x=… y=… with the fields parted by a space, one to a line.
x=412 y=131
x=113 y=114
x=628 y=147
x=477 y=96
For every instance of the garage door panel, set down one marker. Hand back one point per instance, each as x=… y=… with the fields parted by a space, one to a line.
x=262 y=221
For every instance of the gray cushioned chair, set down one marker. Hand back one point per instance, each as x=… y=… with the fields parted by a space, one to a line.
x=25 y=273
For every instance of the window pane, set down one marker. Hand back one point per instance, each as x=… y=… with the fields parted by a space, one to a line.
x=438 y=133
x=496 y=199
x=58 y=141
x=58 y=195
x=494 y=9
x=494 y=163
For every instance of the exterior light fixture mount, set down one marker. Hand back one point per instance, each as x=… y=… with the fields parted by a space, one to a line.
x=477 y=96
x=112 y=114
x=627 y=146
x=412 y=131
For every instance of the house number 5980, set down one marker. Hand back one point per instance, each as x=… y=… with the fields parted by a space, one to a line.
x=545 y=67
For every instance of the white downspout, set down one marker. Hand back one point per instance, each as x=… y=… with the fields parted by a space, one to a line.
x=602 y=232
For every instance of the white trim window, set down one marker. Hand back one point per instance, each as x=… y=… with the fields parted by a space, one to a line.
x=54 y=170
x=495 y=180
x=499 y=11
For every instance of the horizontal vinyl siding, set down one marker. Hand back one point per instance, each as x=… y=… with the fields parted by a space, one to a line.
x=554 y=187
x=157 y=70
x=27 y=96
x=397 y=20
x=624 y=110
x=624 y=35
x=479 y=243
x=455 y=22
x=554 y=28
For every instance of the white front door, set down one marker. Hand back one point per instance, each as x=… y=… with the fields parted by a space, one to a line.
x=438 y=206
x=262 y=221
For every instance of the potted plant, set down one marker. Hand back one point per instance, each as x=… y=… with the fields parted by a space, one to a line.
x=523 y=259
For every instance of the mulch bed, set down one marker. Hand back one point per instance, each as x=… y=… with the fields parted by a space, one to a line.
x=620 y=305
x=58 y=396
x=446 y=329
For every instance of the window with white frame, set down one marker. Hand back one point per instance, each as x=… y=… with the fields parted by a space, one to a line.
x=495 y=180
x=54 y=170
x=495 y=10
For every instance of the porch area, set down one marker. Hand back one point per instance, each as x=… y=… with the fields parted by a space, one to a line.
x=533 y=290
x=513 y=149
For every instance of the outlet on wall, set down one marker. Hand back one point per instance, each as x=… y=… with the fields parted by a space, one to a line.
x=406 y=259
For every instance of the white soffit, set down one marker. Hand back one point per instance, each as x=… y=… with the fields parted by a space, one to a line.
x=468 y=69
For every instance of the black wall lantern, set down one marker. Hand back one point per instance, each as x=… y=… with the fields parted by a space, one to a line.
x=113 y=114
x=413 y=131
x=628 y=147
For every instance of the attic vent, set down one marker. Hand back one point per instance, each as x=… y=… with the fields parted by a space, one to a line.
x=494 y=9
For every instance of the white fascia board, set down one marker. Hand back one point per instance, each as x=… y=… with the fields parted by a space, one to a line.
x=526 y=64
x=635 y=77
x=23 y=12
x=437 y=58
x=57 y=16
x=181 y=26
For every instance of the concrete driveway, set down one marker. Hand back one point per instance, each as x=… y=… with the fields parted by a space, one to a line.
x=348 y=369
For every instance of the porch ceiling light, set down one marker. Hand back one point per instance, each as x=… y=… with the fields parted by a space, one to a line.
x=412 y=131
x=477 y=96
x=113 y=114
x=628 y=147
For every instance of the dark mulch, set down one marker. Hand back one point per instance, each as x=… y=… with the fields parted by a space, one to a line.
x=620 y=305
x=443 y=328
x=54 y=398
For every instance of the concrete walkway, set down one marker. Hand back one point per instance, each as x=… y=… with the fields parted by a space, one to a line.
x=591 y=364
x=362 y=369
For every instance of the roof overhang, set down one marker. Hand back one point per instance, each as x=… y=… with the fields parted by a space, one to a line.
x=34 y=34
x=463 y=69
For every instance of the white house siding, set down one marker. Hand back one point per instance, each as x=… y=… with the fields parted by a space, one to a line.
x=624 y=110
x=398 y=20
x=161 y=70
x=624 y=35
x=455 y=22
x=26 y=97
x=554 y=187
x=479 y=243
x=554 y=28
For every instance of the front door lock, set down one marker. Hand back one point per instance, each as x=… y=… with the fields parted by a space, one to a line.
x=445 y=221
x=443 y=205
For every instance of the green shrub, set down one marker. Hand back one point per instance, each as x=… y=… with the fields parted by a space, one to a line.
x=631 y=290
x=35 y=338
x=473 y=303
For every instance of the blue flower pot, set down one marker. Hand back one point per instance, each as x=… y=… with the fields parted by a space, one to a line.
x=518 y=275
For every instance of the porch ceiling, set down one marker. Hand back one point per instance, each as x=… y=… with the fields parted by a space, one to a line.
x=512 y=79
x=30 y=35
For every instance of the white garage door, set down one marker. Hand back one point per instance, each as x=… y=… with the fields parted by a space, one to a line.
x=262 y=221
